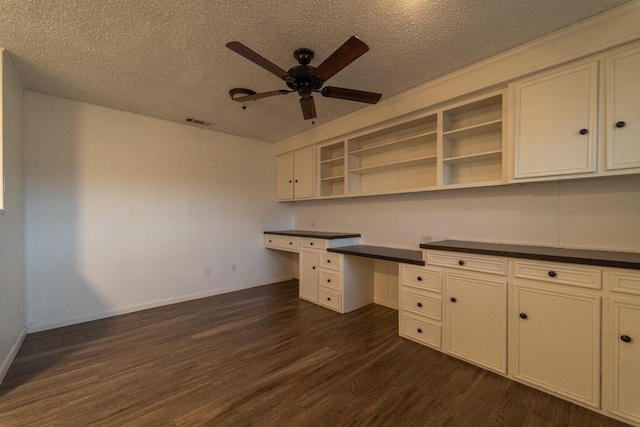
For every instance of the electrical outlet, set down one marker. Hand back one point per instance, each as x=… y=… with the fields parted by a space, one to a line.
x=233 y=268
x=427 y=239
x=207 y=272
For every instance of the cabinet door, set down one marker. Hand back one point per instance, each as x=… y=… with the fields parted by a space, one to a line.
x=303 y=173
x=625 y=361
x=557 y=342
x=623 y=110
x=476 y=321
x=556 y=123
x=284 y=176
x=309 y=275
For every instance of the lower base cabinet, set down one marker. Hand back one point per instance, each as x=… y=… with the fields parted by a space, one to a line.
x=476 y=320
x=308 y=286
x=625 y=360
x=556 y=342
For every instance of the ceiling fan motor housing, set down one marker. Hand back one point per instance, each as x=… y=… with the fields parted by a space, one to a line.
x=302 y=77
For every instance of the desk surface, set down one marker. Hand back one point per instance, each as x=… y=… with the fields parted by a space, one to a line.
x=329 y=235
x=406 y=256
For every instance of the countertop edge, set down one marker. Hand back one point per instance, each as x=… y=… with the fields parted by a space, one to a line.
x=327 y=235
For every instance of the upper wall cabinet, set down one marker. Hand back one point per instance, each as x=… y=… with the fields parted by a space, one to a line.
x=623 y=109
x=556 y=123
x=295 y=173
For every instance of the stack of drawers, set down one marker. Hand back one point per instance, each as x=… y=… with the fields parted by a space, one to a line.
x=331 y=282
x=421 y=305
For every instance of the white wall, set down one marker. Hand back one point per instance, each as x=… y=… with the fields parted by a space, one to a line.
x=126 y=212
x=12 y=284
x=591 y=214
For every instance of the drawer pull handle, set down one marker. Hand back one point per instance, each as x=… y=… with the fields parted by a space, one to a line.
x=620 y=124
x=328 y=280
x=523 y=316
x=328 y=299
x=291 y=243
x=328 y=261
x=269 y=241
x=311 y=243
x=420 y=304
x=552 y=274
x=461 y=262
x=453 y=300
x=419 y=278
x=584 y=131
x=419 y=330
x=625 y=338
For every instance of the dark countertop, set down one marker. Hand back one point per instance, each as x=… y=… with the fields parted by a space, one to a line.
x=379 y=252
x=314 y=234
x=573 y=256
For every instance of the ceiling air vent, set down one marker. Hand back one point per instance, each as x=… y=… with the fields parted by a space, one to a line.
x=198 y=122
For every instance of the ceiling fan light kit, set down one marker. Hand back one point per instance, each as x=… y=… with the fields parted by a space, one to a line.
x=306 y=79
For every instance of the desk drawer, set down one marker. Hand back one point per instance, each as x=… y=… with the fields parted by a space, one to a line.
x=306 y=242
x=331 y=280
x=422 y=331
x=422 y=304
x=625 y=281
x=329 y=298
x=463 y=261
x=584 y=277
x=422 y=278
x=281 y=242
x=332 y=261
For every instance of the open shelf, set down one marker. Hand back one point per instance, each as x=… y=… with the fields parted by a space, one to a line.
x=333 y=178
x=395 y=165
x=408 y=142
x=473 y=158
x=474 y=130
x=331 y=162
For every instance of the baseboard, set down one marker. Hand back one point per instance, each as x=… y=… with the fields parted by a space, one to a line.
x=6 y=363
x=151 y=304
x=386 y=303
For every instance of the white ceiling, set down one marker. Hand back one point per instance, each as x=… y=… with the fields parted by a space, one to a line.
x=167 y=58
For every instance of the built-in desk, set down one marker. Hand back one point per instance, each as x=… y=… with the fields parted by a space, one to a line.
x=405 y=256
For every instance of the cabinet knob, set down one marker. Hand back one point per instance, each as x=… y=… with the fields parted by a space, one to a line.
x=314 y=267
x=523 y=316
x=269 y=241
x=328 y=299
x=420 y=304
x=453 y=300
x=311 y=244
x=328 y=261
x=625 y=338
x=461 y=262
x=296 y=180
x=620 y=124
x=552 y=274
x=291 y=243
x=584 y=131
x=419 y=330
x=419 y=278
x=328 y=280
x=290 y=181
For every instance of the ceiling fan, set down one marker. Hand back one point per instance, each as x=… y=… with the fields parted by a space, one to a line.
x=306 y=79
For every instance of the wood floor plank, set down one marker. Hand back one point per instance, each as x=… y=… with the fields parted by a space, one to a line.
x=260 y=357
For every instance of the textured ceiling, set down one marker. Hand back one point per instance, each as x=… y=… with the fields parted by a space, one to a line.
x=167 y=58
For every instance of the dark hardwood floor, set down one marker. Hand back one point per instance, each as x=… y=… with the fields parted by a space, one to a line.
x=260 y=357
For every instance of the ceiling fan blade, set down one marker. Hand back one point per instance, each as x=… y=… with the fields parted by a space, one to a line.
x=261 y=95
x=308 y=108
x=241 y=49
x=351 y=50
x=351 y=94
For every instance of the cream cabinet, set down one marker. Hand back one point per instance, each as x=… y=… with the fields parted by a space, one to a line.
x=556 y=340
x=308 y=265
x=625 y=362
x=295 y=174
x=420 y=314
x=623 y=109
x=476 y=320
x=556 y=128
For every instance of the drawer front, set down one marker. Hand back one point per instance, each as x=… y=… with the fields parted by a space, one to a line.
x=627 y=282
x=306 y=242
x=429 y=280
x=479 y=263
x=330 y=299
x=332 y=261
x=281 y=242
x=584 y=277
x=422 y=331
x=331 y=280
x=424 y=305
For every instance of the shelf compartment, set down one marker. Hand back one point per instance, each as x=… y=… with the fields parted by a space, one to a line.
x=332 y=187
x=414 y=128
x=333 y=178
x=394 y=165
x=474 y=130
x=409 y=178
x=472 y=114
x=411 y=141
x=473 y=169
x=492 y=155
x=331 y=162
x=333 y=152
